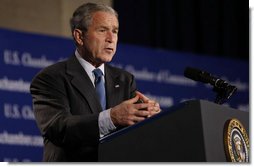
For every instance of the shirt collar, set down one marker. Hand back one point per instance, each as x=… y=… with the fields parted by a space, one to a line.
x=86 y=65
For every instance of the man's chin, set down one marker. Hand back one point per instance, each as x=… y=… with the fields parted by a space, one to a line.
x=108 y=58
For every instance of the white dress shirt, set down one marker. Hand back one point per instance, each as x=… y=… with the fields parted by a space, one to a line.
x=105 y=123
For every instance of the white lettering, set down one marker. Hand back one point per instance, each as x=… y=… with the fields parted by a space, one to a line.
x=163 y=76
x=164 y=101
x=27 y=112
x=41 y=62
x=14 y=85
x=20 y=139
x=241 y=86
x=11 y=57
x=15 y=111
x=243 y=107
x=6 y=159
x=11 y=111
x=141 y=75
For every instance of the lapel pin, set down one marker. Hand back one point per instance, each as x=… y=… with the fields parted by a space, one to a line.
x=117 y=86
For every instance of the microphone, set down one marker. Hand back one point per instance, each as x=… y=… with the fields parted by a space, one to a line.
x=202 y=76
x=224 y=90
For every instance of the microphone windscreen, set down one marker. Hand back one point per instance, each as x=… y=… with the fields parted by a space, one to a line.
x=192 y=73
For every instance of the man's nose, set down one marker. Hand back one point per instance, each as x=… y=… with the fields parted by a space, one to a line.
x=110 y=37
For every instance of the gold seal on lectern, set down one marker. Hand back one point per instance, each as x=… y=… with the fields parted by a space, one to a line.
x=236 y=141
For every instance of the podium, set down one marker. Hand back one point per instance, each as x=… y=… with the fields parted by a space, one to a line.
x=193 y=131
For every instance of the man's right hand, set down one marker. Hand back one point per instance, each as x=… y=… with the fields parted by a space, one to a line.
x=128 y=113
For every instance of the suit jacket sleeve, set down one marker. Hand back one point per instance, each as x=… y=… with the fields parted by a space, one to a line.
x=52 y=112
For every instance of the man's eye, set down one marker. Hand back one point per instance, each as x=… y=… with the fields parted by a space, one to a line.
x=115 y=31
x=102 y=30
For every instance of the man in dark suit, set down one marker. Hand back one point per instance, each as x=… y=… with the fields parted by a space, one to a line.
x=71 y=113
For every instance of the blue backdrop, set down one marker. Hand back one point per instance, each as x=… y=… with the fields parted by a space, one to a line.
x=159 y=74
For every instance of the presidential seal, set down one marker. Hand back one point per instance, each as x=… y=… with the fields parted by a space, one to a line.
x=236 y=141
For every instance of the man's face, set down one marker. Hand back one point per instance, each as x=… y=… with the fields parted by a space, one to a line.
x=100 y=40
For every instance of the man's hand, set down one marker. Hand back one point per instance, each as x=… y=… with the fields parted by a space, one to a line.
x=155 y=109
x=128 y=113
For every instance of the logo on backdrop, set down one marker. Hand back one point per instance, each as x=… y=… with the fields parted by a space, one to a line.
x=236 y=141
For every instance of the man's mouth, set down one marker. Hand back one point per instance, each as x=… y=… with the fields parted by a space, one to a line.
x=109 y=49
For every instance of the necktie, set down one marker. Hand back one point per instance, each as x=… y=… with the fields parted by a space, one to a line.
x=99 y=87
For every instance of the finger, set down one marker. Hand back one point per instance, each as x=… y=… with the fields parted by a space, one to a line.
x=152 y=114
x=157 y=105
x=142 y=113
x=134 y=119
x=141 y=106
x=154 y=109
x=142 y=96
x=151 y=108
x=138 y=119
x=130 y=123
x=133 y=100
x=152 y=102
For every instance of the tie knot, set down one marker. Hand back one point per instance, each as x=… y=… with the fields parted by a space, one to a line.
x=97 y=72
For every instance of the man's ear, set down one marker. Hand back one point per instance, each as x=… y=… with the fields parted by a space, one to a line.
x=78 y=36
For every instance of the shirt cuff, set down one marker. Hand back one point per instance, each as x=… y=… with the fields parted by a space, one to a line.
x=105 y=123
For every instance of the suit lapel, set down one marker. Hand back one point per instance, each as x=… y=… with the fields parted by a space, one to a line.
x=113 y=87
x=81 y=81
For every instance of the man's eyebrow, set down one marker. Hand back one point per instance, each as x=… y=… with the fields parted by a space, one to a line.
x=106 y=27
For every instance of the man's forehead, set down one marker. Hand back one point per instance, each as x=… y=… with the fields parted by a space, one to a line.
x=101 y=16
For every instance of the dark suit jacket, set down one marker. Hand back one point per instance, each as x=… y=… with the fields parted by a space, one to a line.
x=66 y=108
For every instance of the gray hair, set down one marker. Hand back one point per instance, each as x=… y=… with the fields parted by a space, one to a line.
x=82 y=16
